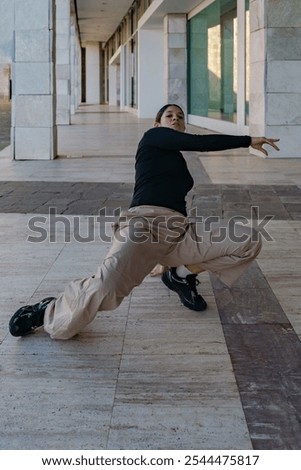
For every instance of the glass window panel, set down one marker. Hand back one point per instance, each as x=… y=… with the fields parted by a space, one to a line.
x=213 y=61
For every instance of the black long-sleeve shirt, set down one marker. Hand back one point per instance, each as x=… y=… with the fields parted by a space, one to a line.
x=162 y=177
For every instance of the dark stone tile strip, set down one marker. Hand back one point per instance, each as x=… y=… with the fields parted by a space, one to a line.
x=266 y=357
x=66 y=197
x=225 y=201
x=280 y=201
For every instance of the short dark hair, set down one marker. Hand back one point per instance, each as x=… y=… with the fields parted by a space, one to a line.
x=161 y=111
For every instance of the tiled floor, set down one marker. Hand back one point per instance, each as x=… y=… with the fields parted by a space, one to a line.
x=152 y=374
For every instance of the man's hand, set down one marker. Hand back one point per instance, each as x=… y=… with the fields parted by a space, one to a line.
x=258 y=142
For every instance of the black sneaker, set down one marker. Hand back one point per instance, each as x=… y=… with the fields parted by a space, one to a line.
x=185 y=287
x=28 y=318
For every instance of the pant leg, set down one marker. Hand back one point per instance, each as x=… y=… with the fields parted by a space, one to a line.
x=125 y=267
x=224 y=250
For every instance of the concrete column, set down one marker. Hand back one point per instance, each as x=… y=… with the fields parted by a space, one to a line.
x=150 y=72
x=123 y=77
x=175 y=59
x=275 y=85
x=63 y=66
x=114 y=84
x=101 y=73
x=92 y=72
x=75 y=63
x=33 y=101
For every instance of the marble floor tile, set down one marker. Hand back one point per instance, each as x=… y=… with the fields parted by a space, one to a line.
x=240 y=168
x=66 y=404
x=173 y=337
x=199 y=380
x=172 y=427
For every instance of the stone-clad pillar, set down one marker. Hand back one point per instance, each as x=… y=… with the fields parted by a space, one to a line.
x=63 y=66
x=175 y=59
x=150 y=72
x=275 y=85
x=92 y=72
x=75 y=63
x=33 y=102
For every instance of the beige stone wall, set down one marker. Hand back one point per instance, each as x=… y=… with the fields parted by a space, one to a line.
x=275 y=87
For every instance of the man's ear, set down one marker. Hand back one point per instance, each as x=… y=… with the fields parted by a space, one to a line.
x=157 y=124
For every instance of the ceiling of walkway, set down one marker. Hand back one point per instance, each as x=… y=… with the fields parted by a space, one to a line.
x=98 y=19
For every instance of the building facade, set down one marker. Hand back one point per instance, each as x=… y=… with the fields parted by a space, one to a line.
x=233 y=65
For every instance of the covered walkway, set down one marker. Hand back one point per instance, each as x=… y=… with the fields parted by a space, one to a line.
x=152 y=374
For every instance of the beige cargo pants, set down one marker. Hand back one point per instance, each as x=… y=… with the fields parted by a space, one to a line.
x=143 y=237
